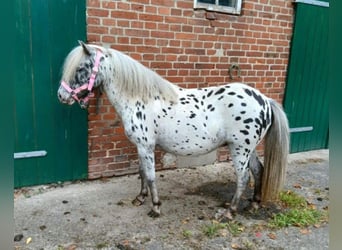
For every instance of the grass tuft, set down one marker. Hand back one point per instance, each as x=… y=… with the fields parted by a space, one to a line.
x=297 y=212
x=213 y=229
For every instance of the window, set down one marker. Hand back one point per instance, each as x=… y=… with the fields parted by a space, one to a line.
x=227 y=6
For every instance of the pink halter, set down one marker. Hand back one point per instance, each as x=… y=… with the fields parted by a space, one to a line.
x=89 y=86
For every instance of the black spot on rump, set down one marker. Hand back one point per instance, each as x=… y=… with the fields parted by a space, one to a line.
x=259 y=98
x=245 y=132
x=220 y=91
x=247 y=141
x=192 y=115
x=210 y=93
x=249 y=120
x=248 y=92
x=139 y=115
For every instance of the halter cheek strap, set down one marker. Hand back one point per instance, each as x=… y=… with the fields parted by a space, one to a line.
x=88 y=86
x=94 y=71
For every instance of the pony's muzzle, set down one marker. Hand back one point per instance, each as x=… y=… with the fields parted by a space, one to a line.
x=63 y=99
x=84 y=104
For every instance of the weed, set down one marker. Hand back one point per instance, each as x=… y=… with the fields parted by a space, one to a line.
x=248 y=245
x=101 y=245
x=296 y=217
x=292 y=200
x=187 y=234
x=212 y=230
x=317 y=191
x=235 y=228
x=297 y=212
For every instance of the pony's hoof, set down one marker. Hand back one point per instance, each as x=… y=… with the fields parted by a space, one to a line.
x=227 y=216
x=255 y=205
x=138 y=201
x=224 y=215
x=153 y=214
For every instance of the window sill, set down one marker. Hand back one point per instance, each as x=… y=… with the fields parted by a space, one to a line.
x=216 y=8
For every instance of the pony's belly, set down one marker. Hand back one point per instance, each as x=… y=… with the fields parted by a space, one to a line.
x=186 y=146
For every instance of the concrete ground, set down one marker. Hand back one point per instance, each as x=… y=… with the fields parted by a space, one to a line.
x=99 y=214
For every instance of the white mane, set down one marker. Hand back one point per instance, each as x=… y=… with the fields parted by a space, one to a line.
x=134 y=80
x=71 y=63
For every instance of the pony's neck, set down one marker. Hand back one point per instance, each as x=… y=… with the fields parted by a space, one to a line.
x=129 y=79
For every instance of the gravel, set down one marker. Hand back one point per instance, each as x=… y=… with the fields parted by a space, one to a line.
x=99 y=214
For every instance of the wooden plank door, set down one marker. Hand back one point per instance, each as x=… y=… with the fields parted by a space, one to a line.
x=306 y=95
x=46 y=32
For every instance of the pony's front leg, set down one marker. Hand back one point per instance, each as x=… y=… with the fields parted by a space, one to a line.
x=140 y=199
x=148 y=180
x=155 y=211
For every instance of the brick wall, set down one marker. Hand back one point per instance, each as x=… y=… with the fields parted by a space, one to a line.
x=191 y=48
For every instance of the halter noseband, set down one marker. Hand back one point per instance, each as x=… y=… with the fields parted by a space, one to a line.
x=87 y=86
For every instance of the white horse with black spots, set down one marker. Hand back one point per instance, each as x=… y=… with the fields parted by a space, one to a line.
x=183 y=121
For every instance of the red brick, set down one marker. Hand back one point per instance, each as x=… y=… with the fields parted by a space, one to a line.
x=150 y=17
x=98 y=12
x=162 y=34
x=97 y=29
x=118 y=14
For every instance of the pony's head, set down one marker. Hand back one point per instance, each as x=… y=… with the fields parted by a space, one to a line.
x=81 y=73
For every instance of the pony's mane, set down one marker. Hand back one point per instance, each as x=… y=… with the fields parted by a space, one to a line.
x=131 y=78
x=134 y=80
x=71 y=63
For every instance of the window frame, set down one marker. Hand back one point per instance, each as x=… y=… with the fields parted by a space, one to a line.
x=236 y=10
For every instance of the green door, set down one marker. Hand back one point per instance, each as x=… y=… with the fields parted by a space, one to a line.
x=50 y=138
x=306 y=94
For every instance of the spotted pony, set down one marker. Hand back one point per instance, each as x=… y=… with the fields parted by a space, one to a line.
x=182 y=121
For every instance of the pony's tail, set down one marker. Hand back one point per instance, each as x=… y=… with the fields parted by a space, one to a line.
x=275 y=155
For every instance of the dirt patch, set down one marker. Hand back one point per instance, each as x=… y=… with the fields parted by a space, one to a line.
x=100 y=215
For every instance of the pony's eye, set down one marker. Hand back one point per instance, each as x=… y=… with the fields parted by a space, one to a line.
x=82 y=75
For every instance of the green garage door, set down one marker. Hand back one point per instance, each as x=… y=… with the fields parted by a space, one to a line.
x=306 y=95
x=50 y=138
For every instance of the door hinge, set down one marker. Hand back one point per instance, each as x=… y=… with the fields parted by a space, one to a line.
x=301 y=129
x=30 y=154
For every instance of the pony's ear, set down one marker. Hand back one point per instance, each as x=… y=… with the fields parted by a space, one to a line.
x=85 y=47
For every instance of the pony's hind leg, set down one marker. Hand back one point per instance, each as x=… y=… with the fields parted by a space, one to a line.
x=240 y=162
x=257 y=170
